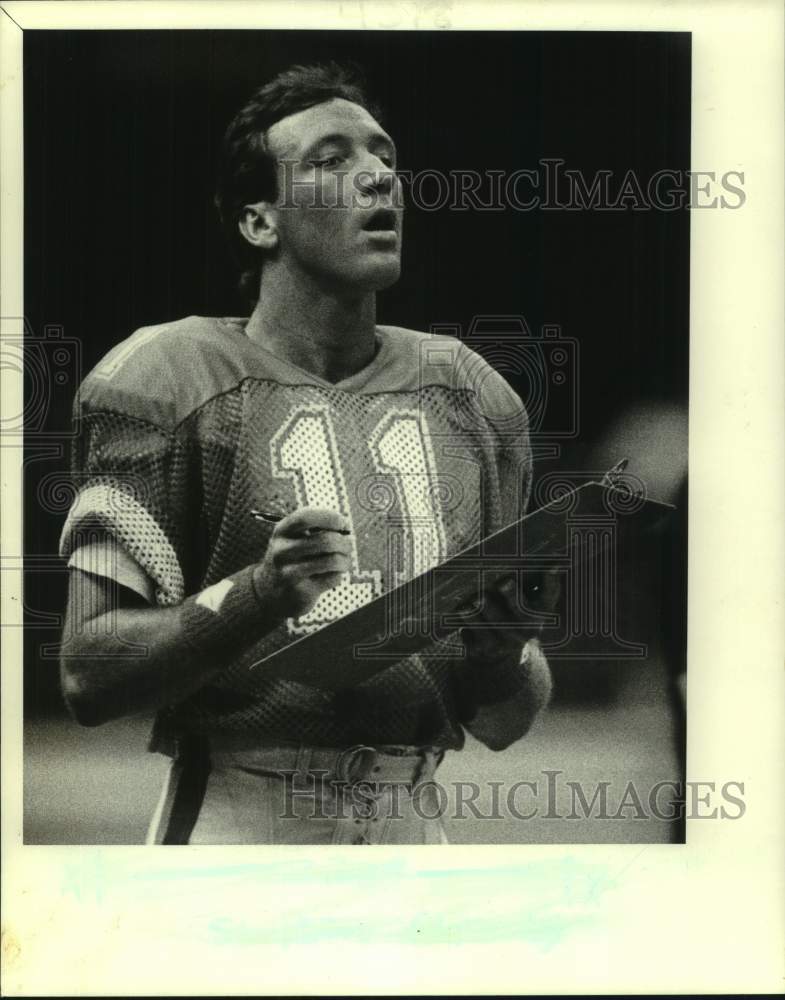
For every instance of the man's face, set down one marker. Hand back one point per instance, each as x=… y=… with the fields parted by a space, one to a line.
x=339 y=209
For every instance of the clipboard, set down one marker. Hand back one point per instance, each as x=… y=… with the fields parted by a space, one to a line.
x=427 y=609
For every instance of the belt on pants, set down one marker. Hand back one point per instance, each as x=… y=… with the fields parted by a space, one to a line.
x=347 y=765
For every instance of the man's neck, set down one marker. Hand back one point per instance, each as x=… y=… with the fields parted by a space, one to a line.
x=330 y=335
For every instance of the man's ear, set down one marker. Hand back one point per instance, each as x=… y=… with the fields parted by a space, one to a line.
x=257 y=223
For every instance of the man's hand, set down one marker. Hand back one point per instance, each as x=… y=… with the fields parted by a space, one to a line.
x=506 y=616
x=308 y=553
x=505 y=681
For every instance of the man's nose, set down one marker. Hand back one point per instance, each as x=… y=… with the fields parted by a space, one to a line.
x=375 y=176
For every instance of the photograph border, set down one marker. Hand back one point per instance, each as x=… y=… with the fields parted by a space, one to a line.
x=704 y=917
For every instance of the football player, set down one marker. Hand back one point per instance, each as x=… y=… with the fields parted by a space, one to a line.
x=368 y=453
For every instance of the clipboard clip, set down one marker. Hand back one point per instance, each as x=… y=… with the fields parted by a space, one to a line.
x=613 y=476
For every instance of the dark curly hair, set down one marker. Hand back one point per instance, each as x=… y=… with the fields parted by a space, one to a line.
x=247 y=169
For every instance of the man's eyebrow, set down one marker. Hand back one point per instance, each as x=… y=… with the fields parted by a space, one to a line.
x=322 y=140
x=381 y=138
x=374 y=139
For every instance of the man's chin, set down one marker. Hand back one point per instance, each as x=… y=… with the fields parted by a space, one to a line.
x=383 y=275
x=376 y=277
x=361 y=277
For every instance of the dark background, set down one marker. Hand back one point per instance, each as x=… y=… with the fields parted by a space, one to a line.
x=121 y=136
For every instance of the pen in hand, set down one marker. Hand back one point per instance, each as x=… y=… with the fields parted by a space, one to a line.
x=271 y=517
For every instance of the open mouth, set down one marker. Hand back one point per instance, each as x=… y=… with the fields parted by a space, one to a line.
x=380 y=221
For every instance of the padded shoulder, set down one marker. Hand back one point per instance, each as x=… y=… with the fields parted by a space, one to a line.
x=414 y=360
x=495 y=398
x=163 y=373
x=440 y=359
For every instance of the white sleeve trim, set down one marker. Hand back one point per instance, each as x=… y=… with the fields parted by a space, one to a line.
x=113 y=509
x=109 y=559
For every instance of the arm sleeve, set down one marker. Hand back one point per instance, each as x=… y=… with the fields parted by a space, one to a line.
x=109 y=559
x=496 y=697
x=509 y=423
x=500 y=723
x=133 y=487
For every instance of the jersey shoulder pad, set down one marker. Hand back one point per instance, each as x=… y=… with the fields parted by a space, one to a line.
x=495 y=399
x=445 y=360
x=163 y=373
x=415 y=360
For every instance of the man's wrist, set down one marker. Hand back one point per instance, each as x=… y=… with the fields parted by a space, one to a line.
x=226 y=615
x=485 y=647
x=490 y=675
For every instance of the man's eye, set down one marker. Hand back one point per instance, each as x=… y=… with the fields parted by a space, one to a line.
x=327 y=161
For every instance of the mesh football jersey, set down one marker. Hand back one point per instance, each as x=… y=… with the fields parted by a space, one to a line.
x=185 y=427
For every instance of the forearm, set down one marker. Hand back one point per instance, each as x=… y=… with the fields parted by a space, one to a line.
x=179 y=649
x=134 y=659
x=501 y=697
